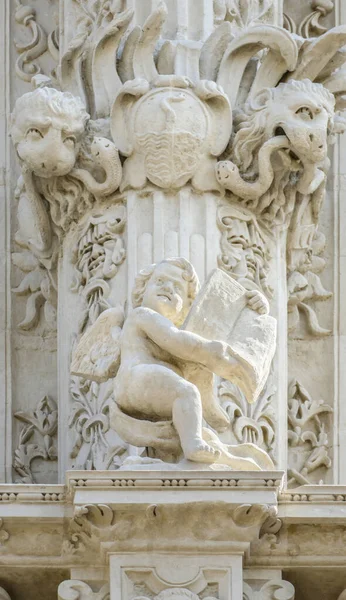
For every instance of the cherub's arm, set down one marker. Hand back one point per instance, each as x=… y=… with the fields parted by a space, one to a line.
x=181 y=344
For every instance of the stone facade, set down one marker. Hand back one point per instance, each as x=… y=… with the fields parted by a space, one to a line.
x=172 y=331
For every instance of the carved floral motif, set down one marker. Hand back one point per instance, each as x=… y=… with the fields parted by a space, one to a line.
x=42 y=424
x=308 y=439
x=251 y=423
x=89 y=419
x=99 y=253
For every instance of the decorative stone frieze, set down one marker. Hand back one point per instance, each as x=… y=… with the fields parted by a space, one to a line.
x=171 y=260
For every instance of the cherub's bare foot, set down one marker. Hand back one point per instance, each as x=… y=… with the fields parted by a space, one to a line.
x=201 y=452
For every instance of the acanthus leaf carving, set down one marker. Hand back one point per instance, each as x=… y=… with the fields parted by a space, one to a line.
x=42 y=424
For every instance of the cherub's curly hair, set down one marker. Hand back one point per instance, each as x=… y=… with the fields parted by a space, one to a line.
x=142 y=279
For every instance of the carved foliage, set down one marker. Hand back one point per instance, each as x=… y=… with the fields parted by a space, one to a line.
x=89 y=418
x=40 y=424
x=307 y=435
x=39 y=287
x=99 y=252
x=94 y=525
x=251 y=423
x=304 y=285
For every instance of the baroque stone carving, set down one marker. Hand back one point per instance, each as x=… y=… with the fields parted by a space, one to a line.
x=244 y=248
x=26 y=67
x=96 y=525
x=269 y=122
x=254 y=423
x=39 y=285
x=307 y=435
x=310 y=26
x=98 y=255
x=42 y=424
x=79 y=590
x=170 y=136
x=304 y=286
x=89 y=419
x=271 y=590
x=162 y=299
x=240 y=15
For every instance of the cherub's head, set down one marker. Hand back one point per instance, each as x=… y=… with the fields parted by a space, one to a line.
x=168 y=287
x=46 y=126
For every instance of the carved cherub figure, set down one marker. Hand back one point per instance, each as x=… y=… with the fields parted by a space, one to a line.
x=156 y=380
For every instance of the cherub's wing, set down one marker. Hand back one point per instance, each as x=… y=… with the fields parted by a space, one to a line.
x=97 y=355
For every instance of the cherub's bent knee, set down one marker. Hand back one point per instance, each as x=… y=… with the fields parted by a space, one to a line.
x=189 y=393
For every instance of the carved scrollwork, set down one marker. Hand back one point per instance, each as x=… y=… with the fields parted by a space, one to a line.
x=42 y=424
x=311 y=26
x=79 y=590
x=26 y=67
x=271 y=590
x=308 y=439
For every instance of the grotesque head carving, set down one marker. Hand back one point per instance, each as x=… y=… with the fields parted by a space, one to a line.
x=300 y=110
x=46 y=126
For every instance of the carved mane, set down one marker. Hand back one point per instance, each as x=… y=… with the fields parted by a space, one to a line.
x=251 y=123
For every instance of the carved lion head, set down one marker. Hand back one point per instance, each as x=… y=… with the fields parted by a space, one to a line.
x=303 y=111
x=46 y=127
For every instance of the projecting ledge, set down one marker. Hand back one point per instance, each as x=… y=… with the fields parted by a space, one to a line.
x=167 y=487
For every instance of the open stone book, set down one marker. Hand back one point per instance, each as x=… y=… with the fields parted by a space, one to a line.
x=220 y=312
